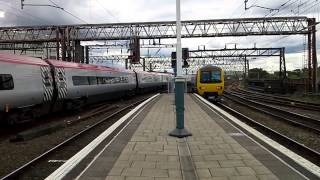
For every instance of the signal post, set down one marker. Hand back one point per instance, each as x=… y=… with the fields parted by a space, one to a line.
x=179 y=131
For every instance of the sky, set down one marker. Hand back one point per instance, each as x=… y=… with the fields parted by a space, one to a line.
x=114 y=11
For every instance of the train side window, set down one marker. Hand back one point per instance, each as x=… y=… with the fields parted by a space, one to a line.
x=6 y=82
x=109 y=80
x=80 y=80
x=92 y=80
x=100 y=80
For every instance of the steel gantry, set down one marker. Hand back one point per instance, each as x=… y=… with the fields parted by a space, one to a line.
x=157 y=30
x=236 y=58
x=163 y=63
x=244 y=53
x=68 y=37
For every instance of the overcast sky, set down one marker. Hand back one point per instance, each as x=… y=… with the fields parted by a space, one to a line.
x=112 y=11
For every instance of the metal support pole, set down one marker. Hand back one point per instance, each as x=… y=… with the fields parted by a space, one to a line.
x=284 y=63
x=58 y=44
x=179 y=48
x=126 y=64
x=144 y=64
x=282 y=74
x=67 y=32
x=63 y=46
x=314 y=56
x=245 y=67
x=47 y=52
x=77 y=52
x=280 y=65
x=179 y=131
x=87 y=54
x=248 y=68
x=309 y=57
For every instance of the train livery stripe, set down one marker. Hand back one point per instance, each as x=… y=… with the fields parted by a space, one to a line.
x=47 y=83
x=61 y=83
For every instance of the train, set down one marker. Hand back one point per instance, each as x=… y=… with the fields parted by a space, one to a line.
x=31 y=87
x=209 y=82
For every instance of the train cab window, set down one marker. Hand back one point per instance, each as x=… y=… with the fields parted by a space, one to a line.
x=215 y=76
x=92 y=80
x=205 y=77
x=80 y=80
x=210 y=77
x=6 y=82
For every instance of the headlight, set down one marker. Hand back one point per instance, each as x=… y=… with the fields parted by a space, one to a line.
x=219 y=87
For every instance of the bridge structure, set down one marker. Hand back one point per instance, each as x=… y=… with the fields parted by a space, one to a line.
x=66 y=39
x=234 y=59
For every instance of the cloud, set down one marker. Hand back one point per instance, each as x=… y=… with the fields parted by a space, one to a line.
x=103 y=11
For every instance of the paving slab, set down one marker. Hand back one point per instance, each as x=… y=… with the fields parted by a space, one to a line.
x=214 y=151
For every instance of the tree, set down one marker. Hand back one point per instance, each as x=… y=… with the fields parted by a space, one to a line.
x=258 y=73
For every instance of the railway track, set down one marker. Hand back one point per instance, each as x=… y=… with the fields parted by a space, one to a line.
x=299 y=148
x=43 y=165
x=279 y=100
x=286 y=116
x=7 y=131
x=269 y=100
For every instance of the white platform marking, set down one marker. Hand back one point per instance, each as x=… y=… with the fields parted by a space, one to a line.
x=292 y=155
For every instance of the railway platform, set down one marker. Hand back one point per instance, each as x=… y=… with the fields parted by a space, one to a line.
x=216 y=150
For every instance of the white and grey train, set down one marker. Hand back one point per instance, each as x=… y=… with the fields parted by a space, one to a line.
x=31 y=87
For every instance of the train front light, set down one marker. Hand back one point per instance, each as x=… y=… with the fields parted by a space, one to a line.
x=219 y=87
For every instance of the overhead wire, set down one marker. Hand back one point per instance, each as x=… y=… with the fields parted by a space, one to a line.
x=68 y=12
x=284 y=7
x=108 y=11
x=26 y=13
x=300 y=9
x=54 y=3
x=316 y=2
x=281 y=8
x=80 y=19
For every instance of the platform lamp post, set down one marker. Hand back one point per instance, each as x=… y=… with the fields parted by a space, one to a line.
x=179 y=131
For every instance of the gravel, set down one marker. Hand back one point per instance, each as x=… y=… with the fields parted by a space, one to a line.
x=14 y=155
x=302 y=136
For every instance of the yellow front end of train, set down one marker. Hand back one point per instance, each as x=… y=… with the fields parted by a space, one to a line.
x=210 y=82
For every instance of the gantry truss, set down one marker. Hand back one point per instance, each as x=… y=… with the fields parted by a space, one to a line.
x=227 y=58
x=68 y=37
x=235 y=52
x=157 y=30
x=164 y=63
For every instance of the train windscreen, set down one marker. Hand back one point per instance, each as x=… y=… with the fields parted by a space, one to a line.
x=210 y=77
